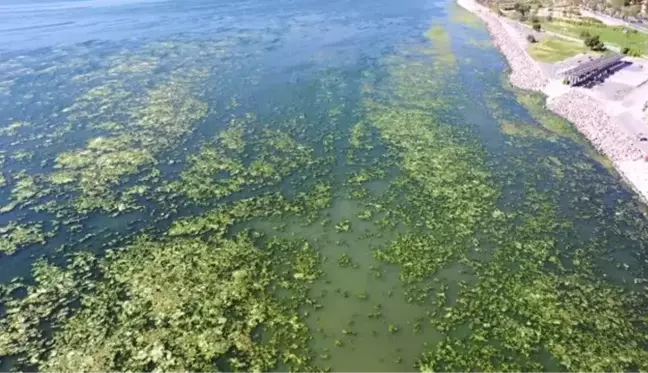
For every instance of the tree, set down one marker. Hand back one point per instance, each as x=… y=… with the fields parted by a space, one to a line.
x=523 y=9
x=594 y=43
x=633 y=10
x=537 y=27
x=549 y=18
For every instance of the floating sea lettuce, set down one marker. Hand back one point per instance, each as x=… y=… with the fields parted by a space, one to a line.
x=222 y=169
x=533 y=301
x=15 y=236
x=246 y=318
x=167 y=114
x=476 y=251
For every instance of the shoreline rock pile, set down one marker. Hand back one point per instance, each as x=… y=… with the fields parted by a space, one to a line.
x=596 y=125
x=525 y=73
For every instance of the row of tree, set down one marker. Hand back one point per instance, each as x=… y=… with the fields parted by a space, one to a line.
x=616 y=8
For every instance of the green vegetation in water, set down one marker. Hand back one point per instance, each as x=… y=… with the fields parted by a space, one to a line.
x=124 y=120
x=220 y=170
x=359 y=136
x=343 y=226
x=548 y=126
x=523 y=301
x=345 y=260
x=524 y=129
x=168 y=114
x=365 y=215
x=441 y=40
x=483 y=261
x=24 y=191
x=535 y=104
x=15 y=236
x=13 y=128
x=481 y=43
x=559 y=126
x=251 y=284
x=462 y=16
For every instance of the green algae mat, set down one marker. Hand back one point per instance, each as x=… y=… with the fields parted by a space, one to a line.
x=248 y=203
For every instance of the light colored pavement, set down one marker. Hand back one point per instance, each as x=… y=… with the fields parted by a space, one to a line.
x=636 y=174
x=635 y=128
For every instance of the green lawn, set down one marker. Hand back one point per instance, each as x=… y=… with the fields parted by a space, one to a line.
x=553 y=49
x=609 y=35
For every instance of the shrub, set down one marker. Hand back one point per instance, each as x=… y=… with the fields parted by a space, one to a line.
x=523 y=9
x=531 y=39
x=591 y=20
x=537 y=27
x=583 y=23
x=630 y=52
x=549 y=18
x=594 y=43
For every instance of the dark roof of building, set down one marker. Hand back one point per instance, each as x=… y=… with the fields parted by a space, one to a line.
x=593 y=65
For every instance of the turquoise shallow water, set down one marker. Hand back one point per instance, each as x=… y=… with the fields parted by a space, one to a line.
x=450 y=191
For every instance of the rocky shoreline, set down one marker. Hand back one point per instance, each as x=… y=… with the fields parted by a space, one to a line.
x=587 y=115
x=606 y=136
x=596 y=125
x=525 y=73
